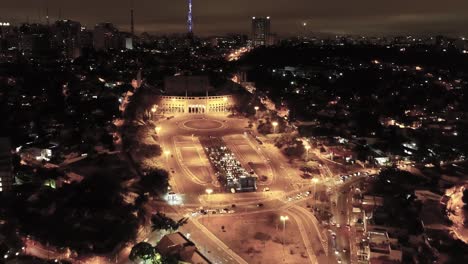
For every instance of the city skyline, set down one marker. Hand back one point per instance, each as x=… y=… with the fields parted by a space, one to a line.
x=213 y=17
x=233 y=132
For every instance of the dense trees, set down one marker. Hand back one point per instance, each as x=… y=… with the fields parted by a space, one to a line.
x=145 y=253
x=162 y=222
x=290 y=145
x=155 y=181
x=265 y=127
x=400 y=205
x=90 y=216
x=139 y=107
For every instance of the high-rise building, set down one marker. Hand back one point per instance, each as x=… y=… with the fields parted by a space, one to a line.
x=6 y=35
x=34 y=39
x=106 y=37
x=6 y=176
x=66 y=37
x=261 y=31
x=85 y=38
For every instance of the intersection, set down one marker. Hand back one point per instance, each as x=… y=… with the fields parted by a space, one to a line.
x=278 y=189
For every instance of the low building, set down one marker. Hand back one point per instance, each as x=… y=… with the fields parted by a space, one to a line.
x=195 y=105
x=382 y=249
x=370 y=202
x=177 y=245
x=195 y=95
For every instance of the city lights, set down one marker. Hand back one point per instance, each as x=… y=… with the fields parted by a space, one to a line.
x=137 y=140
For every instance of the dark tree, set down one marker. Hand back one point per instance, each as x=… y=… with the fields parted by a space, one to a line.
x=144 y=251
x=162 y=222
x=155 y=181
x=465 y=197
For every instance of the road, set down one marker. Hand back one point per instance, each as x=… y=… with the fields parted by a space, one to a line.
x=343 y=244
x=191 y=175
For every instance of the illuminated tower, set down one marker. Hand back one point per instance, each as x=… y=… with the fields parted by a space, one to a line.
x=189 y=18
x=261 y=31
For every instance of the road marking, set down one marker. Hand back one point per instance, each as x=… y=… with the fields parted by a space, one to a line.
x=218 y=242
x=178 y=160
x=304 y=236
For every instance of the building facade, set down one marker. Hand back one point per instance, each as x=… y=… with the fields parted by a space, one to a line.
x=66 y=37
x=106 y=37
x=195 y=105
x=261 y=31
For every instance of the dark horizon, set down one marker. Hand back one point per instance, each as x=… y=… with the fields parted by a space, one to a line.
x=334 y=17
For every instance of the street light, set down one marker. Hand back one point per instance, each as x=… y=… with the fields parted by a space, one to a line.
x=166 y=153
x=283 y=219
x=275 y=124
x=209 y=191
x=157 y=129
x=307 y=147
x=314 y=181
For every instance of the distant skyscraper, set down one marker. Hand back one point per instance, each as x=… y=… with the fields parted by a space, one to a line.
x=189 y=18
x=261 y=31
x=66 y=37
x=105 y=37
x=34 y=39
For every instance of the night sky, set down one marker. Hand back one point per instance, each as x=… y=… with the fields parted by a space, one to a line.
x=370 y=17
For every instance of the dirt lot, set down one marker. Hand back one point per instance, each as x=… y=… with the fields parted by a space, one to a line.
x=258 y=237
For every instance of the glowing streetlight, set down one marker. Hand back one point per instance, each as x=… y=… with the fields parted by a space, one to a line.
x=307 y=147
x=314 y=181
x=256 y=110
x=166 y=153
x=275 y=124
x=157 y=129
x=209 y=192
x=283 y=219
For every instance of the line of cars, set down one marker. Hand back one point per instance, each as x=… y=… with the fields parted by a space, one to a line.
x=344 y=178
x=298 y=196
x=203 y=211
